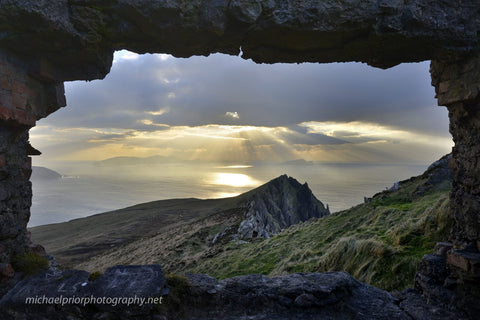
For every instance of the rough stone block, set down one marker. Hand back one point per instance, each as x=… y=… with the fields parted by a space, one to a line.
x=25 y=118
x=19 y=116
x=19 y=101
x=9 y=226
x=55 y=98
x=3 y=161
x=5 y=112
x=18 y=87
x=434 y=267
x=443 y=87
x=457 y=260
x=441 y=248
x=6 y=270
x=42 y=70
x=468 y=262
x=3 y=193
x=126 y=281
x=66 y=283
x=5 y=83
x=5 y=98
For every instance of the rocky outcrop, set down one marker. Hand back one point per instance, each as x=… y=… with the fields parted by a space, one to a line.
x=437 y=175
x=276 y=205
x=79 y=36
x=272 y=207
x=331 y=295
x=123 y=292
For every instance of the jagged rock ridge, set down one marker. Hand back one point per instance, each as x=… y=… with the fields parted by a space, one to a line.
x=276 y=205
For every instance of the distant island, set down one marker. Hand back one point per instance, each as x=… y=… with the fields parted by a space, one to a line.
x=130 y=161
x=42 y=173
x=299 y=162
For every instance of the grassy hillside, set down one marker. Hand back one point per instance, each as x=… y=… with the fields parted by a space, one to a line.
x=79 y=240
x=380 y=243
x=173 y=231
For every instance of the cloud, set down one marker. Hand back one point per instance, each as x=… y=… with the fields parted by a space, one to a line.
x=159 y=112
x=233 y=115
x=201 y=90
x=157 y=104
x=233 y=143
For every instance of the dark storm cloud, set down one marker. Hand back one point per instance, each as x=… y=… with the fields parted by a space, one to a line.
x=199 y=91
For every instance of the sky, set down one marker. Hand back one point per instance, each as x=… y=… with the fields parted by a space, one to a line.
x=226 y=109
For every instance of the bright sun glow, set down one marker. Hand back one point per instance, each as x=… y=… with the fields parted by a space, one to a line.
x=236 y=167
x=220 y=195
x=234 y=180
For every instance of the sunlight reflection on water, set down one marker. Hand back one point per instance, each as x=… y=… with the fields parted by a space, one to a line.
x=100 y=189
x=234 y=180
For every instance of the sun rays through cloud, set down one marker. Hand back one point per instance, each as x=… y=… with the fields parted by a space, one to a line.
x=226 y=109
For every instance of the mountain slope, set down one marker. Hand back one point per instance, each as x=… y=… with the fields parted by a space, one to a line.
x=379 y=242
x=275 y=205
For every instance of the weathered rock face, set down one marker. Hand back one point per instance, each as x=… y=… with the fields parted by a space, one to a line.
x=276 y=205
x=270 y=208
x=452 y=274
x=331 y=295
x=15 y=196
x=122 y=292
x=29 y=89
x=456 y=84
x=79 y=36
x=43 y=43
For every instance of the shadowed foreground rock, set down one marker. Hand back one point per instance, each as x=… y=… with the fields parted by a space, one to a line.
x=331 y=295
x=113 y=288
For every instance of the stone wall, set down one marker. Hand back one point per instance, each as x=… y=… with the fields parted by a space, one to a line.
x=28 y=91
x=15 y=195
x=452 y=274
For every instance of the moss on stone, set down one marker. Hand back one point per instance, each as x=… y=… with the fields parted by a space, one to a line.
x=30 y=263
x=94 y=275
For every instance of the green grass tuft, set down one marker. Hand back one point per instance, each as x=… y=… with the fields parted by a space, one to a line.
x=94 y=275
x=30 y=263
x=179 y=289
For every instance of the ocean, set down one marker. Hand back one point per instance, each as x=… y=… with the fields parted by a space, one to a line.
x=88 y=189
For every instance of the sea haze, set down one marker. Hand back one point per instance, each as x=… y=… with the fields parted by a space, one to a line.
x=90 y=188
